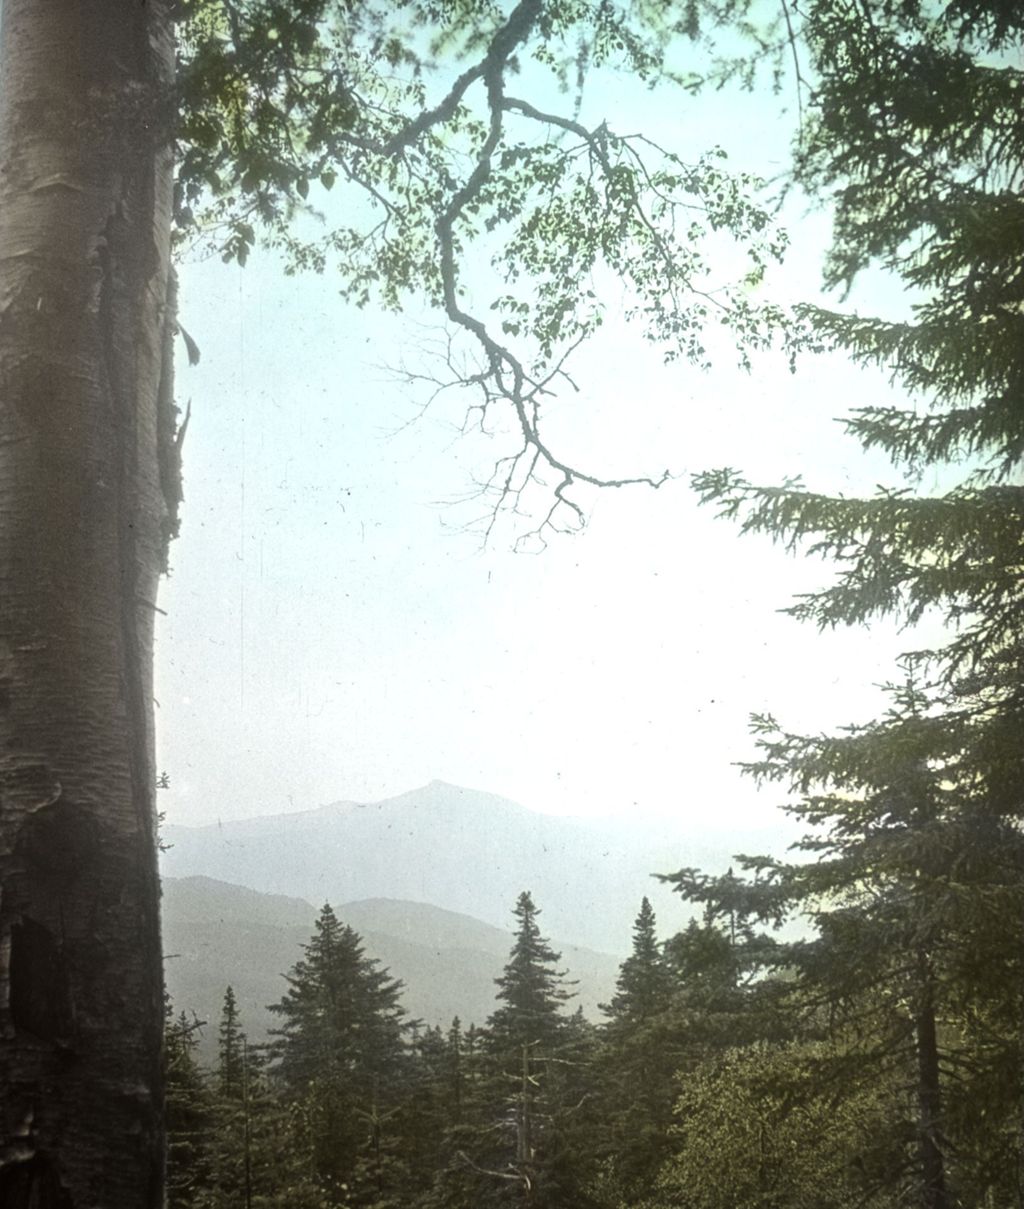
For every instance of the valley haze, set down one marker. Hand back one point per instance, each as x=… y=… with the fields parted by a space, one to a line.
x=464 y=851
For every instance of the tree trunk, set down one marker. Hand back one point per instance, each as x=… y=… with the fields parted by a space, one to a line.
x=929 y=1092
x=85 y=190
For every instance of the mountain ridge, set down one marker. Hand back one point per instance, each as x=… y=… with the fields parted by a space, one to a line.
x=467 y=851
x=217 y=935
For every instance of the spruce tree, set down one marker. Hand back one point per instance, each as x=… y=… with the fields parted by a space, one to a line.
x=726 y=966
x=645 y=982
x=231 y=1043
x=248 y=1126
x=635 y=1077
x=539 y=1054
x=341 y=1015
x=456 y=1073
x=531 y=991
x=912 y=134
x=341 y=1057
x=519 y=1089
x=471 y=1093
x=913 y=877
x=189 y=1112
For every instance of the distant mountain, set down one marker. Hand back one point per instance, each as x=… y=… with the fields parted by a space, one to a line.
x=459 y=849
x=216 y=935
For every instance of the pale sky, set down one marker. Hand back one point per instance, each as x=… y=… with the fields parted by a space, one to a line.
x=334 y=633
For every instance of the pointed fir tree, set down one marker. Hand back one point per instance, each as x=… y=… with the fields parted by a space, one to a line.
x=531 y=991
x=644 y=984
x=473 y=1093
x=918 y=869
x=341 y=1015
x=726 y=966
x=912 y=133
x=912 y=876
x=423 y=1115
x=456 y=1073
x=341 y=1057
x=510 y=1145
x=635 y=1081
x=248 y=1125
x=540 y=1058
x=189 y=1112
x=913 y=136
x=231 y=1041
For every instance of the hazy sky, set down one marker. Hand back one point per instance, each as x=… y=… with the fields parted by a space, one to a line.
x=333 y=631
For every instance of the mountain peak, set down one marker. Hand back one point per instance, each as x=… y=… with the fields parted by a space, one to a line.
x=442 y=799
x=464 y=850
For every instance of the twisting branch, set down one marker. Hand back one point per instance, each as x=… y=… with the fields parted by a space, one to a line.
x=329 y=102
x=507 y=371
x=411 y=133
x=798 y=79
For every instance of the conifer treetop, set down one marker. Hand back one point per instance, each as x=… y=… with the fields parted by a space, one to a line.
x=531 y=990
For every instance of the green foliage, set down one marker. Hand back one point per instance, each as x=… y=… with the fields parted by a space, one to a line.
x=518 y=1133
x=731 y=972
x=530 y=991
x=635 y=1067
x=341 y=1016
x=734 y=1068
x=913 y=135
x=912 y=874
x=901 y=554
x=875 y=1061
x=341 y=1057
x=912 y=877
x=231 y=1051
x=761 y=1127
x=645 y=982
x=412 y=146
x=188 y=1112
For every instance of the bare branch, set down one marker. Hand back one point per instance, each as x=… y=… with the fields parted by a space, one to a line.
x=519 y=1177
x=506 y=370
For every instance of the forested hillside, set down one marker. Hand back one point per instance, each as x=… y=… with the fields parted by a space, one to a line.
x=727 y=1068
x=217 y=934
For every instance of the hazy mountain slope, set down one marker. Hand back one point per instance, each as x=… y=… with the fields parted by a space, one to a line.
x=204 y=898
x=460 y=849
x=217 y=935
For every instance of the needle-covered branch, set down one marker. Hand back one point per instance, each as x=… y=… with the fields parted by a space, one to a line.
x=959 y=555
x=913 y=137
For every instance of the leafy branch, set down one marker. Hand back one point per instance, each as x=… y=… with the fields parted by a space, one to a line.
x=481 y=202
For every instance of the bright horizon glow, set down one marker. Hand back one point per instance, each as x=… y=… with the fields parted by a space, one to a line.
x=334 y=633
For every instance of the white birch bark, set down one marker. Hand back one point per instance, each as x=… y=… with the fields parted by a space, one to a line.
x=85 y=190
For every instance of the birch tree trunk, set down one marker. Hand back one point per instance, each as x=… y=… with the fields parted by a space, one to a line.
x=85 y=191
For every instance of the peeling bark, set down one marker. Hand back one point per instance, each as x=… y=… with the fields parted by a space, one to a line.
x=85 y=187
